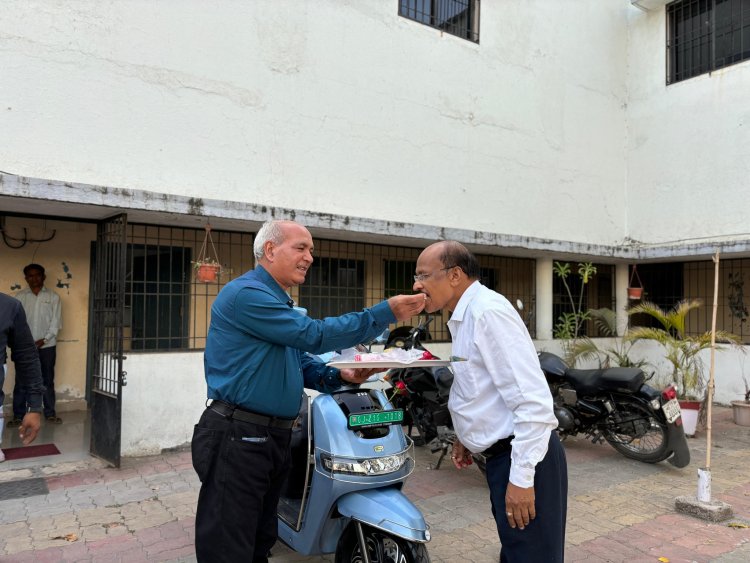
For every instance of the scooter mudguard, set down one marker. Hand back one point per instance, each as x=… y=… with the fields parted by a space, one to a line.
x=388 y=510
x=678 y=442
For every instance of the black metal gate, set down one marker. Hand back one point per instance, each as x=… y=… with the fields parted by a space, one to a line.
x=107 y=377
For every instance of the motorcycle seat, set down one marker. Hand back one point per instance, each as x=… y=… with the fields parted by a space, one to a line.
x=590 y=381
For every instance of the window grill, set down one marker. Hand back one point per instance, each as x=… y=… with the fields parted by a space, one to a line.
x=598 y=293
x=667 y=284
x=456 y=17
x=706 y=35
x=166 y=309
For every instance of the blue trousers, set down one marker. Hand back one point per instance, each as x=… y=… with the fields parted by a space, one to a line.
x=543 y=540
x=47 y=358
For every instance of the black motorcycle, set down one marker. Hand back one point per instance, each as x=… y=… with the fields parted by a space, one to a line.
x=613 y=405
x=617 y=406
x=422 y=392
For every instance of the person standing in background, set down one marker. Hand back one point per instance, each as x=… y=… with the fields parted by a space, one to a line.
x=43 y=313
x=15 y=334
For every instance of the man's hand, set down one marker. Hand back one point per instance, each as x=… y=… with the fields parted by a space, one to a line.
x=39 y=343
x=519 y=506
x=29 y=427
x=359 y=375
x=405 y=307
x=460 y=456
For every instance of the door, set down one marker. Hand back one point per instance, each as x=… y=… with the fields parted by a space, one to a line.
x=107 y=376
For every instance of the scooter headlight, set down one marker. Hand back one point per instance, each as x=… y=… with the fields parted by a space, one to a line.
x=368 y=466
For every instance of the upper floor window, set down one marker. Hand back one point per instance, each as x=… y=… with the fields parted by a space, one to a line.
x=705 y=35
x=457 y=17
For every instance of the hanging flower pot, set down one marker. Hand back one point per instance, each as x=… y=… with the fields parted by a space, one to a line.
x=207 y=272
x=635 y=292
x=207 y=266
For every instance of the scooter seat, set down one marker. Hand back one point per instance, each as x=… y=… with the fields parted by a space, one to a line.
x=590 y=381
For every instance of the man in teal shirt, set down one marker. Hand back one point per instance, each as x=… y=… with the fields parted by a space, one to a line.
x=256 y=368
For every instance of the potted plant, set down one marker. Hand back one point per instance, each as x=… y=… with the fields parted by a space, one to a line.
x=741 y=409
x=207 y=270
x=207 y=266
x=682 y=352
x=570 y=323
x=616 y=355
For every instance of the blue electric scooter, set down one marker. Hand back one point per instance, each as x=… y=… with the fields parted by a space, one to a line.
x=350 y=458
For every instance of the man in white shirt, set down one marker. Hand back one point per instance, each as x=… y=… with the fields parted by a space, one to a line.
x=43 y=313
x=501 y=405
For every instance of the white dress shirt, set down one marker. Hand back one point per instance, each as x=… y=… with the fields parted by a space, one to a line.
x=500 y=390
x=43 y=313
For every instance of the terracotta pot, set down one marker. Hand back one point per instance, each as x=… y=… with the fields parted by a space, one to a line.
x=635 y=293
x=741 y=413
x=689 y=416
x=207 y=273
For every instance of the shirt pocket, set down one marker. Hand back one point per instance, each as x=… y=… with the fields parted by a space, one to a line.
x=464 y=383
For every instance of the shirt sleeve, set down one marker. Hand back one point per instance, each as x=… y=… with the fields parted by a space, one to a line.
x=56 y=321
x=268 y=319
x=318 y=375
x=512 y=361
x=26 y=359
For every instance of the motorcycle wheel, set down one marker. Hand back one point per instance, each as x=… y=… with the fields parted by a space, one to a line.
x=635 y=432
x=382 y=547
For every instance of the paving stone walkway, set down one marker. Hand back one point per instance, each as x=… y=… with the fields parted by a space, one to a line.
x=619 y=510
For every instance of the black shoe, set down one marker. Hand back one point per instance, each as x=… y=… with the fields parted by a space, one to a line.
x=13 y=423
x=54 y=419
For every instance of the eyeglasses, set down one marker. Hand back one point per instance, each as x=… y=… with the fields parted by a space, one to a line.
x=422 y=277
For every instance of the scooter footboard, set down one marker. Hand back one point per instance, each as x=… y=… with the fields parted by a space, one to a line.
x=388 y=510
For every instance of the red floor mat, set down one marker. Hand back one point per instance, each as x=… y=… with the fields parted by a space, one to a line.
x=30 y=451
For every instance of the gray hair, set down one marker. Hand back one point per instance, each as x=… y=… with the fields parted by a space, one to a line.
x=270 y=231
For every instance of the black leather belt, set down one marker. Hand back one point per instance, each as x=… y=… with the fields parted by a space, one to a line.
x=499 y=447
x=237 y=413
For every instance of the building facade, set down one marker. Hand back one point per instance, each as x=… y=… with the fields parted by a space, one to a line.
x=382 y=126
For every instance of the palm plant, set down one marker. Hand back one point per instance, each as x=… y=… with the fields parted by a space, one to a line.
x=682 y=350
x=618 y=354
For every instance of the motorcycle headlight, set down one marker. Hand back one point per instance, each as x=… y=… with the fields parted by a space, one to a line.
x=367 y=466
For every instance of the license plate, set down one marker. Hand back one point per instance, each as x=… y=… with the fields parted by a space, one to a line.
x=379 y=418
x=671 y=410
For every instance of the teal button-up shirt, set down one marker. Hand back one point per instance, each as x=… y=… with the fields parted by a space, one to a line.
x=255 y=351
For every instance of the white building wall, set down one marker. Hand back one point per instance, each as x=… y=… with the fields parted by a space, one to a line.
x=329 y=106
x=687 y=144
x=164 y=398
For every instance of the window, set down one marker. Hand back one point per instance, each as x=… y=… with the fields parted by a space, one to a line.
x=399 y=277
x=457 y=17
x=166 y=308
x=705 y=35
x=597 y=294
x=333 y=286
x=159 y=295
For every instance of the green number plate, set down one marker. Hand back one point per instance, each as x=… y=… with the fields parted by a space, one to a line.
x=379 y=418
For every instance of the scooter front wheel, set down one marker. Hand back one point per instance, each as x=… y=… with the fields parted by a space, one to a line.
x=382 y=547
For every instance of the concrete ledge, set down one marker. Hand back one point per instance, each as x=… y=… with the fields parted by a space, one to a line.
x=714 y=511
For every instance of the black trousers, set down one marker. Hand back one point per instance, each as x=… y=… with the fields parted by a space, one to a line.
x=47 y=358
x=242 y=468
x=543 y=540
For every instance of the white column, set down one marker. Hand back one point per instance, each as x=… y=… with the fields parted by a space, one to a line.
x=621 y=297
x=544 y=299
